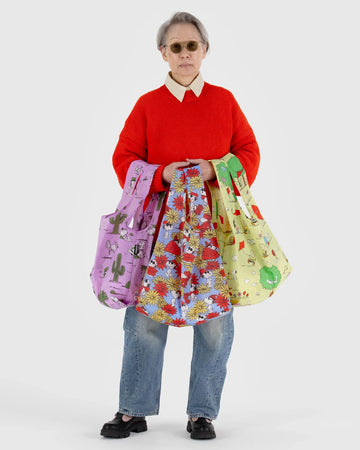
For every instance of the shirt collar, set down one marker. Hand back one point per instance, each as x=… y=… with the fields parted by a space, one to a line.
x=179 y=90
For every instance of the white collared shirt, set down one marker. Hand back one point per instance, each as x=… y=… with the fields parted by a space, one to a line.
x=178 y=90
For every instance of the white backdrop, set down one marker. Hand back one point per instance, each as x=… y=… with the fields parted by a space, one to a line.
x=71 y=73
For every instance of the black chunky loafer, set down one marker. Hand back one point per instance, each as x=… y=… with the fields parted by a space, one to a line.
x=201 y=429
x=117 y=428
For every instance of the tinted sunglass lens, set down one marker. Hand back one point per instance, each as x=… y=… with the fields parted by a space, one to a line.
x=192 y=46
x=175 y=48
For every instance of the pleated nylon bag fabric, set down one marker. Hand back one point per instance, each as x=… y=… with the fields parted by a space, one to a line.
x=185 y=282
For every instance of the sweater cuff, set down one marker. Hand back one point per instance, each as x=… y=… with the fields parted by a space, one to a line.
x=157 y=184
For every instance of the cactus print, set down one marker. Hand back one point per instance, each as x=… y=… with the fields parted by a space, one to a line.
x=125 y=240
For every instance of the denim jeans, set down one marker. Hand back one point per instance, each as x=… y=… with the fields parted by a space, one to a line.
x=143 y=357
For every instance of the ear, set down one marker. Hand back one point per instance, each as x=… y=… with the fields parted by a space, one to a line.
x=164 y=53
x=203 y=51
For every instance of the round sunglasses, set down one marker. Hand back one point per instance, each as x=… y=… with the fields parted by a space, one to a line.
x=176 y=47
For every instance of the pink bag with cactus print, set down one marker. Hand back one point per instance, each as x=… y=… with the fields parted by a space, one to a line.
x=125 y=240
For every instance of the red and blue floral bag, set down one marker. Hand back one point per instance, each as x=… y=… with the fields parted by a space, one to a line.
x=185 y=282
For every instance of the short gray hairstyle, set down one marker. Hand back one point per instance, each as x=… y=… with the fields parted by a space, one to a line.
x=181 y=17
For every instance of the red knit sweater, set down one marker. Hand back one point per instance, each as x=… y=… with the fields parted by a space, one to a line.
x=160 y=130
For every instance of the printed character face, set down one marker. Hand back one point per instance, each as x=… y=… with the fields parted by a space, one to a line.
x=270 y=277
x=151 y=231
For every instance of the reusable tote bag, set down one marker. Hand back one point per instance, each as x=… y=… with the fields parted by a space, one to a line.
x=125 y=240
x=185 y=282
x=254 y=263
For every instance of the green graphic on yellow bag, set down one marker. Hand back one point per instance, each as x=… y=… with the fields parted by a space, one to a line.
x=254 y=263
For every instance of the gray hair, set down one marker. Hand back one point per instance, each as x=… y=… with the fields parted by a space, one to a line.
x=181 y=17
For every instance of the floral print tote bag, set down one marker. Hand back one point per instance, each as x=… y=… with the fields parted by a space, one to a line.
x=255 y=265
x=185 y=282
x=125 y=240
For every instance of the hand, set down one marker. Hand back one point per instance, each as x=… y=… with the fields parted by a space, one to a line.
x=169 y=170
x=206 y=167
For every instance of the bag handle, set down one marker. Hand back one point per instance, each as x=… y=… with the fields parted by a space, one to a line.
x=139 y=178
x=188 y=188
x=136 y=188
x=179 y=174
x=143 y=218
x=229 y=170
x=193 y=190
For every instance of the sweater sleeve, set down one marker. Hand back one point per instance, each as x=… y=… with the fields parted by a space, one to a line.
x=243 y=143
x=132 y=146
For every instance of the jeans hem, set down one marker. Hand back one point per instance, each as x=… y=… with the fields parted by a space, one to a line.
x=138 y=414
x=201 y=414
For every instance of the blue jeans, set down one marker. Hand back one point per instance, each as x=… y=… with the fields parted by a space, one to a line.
x=143 y=358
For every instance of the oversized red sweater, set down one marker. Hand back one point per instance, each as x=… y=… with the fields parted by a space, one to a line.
x=160 y=130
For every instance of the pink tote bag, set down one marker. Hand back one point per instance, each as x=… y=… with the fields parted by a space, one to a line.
x=125 y=240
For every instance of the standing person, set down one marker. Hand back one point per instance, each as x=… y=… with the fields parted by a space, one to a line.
x=185 y=121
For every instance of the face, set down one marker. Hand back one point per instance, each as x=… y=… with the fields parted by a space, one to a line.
x=185 y=65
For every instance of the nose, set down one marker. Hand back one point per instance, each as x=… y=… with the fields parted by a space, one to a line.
x=184 y=52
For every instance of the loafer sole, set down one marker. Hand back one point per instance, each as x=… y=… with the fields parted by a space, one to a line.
x=198 y=434
x=117 y=434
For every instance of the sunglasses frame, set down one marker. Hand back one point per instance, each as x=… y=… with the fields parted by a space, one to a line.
x=184 y=44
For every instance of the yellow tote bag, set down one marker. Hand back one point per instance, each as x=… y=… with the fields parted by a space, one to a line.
x=254 y=263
